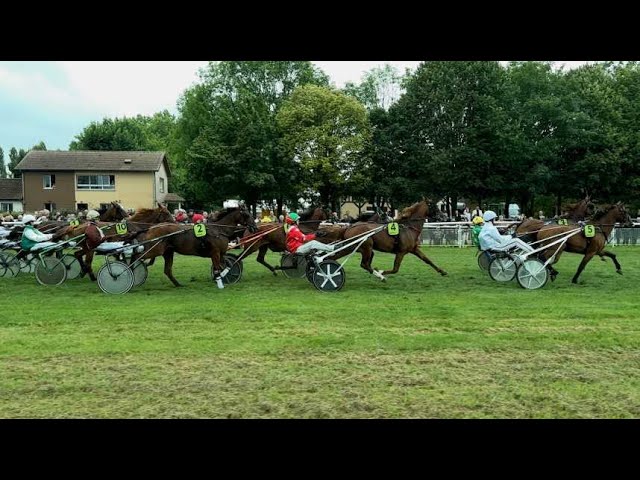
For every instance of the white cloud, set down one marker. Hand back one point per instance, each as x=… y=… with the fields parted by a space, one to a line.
x=130 y=88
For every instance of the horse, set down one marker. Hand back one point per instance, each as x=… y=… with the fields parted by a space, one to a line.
x=115 y=213
x=174 y=237
x=604 y=221
x=276 y=239
x=574 y=212
x=410 y=220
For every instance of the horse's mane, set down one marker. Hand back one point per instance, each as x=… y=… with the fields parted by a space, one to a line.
x=145 y=211
x=602 y=211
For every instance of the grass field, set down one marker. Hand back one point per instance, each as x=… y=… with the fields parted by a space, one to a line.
x=418 y=346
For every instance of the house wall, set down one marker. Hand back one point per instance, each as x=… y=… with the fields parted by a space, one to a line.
x=162 y=173
x=35 y=195
x=132 y=190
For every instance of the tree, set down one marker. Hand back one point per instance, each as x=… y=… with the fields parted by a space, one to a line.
x=3 y=171
x=15 y=157
x=451 y=118
x=227 y=139
x=325 y=131
x=119 y=134
x=39 y=146
x=380 y=88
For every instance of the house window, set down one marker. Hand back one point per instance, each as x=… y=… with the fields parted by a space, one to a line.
x=6 y=207
x=83 y=206
x=96 y=182
x=48 y=182
x=161 y=185
x=51 y=206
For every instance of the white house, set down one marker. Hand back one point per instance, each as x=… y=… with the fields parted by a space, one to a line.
x=11 y=195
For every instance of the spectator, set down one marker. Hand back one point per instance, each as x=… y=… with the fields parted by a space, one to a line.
x=281 y=218
x=541 y=215
x=334 y=217
x=197 y=217
x=477 y=212
x=190 y=216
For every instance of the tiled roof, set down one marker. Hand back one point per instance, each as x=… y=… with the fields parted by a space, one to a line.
x=93 y=161
x=11 y=188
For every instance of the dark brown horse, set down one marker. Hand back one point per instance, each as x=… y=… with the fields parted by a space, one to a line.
x=604 y=221
x=276 y=239
x=178 y=238
x=143 y=219
x=411 y=220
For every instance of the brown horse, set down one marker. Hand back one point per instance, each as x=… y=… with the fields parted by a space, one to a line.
x=573 y=213
x=143 y=218
x=604 y=221
x=411 y=220
x=276 y=240
x=172 y=238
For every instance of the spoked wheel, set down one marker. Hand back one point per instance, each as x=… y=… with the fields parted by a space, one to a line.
x=329 y=276
x=52 y=272
x=293 y=266
x=140 y=273
x=9 y=266
x=532 y=274
x=484 y=259
x=72 y=265
x=235 y=269
x=502 y=269
x=115 y=278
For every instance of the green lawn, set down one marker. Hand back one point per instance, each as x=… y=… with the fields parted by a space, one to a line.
x=418 y=346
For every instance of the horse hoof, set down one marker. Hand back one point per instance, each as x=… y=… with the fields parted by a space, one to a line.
x=275 y=274
x=619 y=272
x=444 y=274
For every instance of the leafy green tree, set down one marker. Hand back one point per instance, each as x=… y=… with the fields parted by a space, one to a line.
x=15 y=157
x=451 y=116
x=380 y=88
x=39 y=146
x=119 y=134
x=227 y=140
x=3 y=171
x=326 y=132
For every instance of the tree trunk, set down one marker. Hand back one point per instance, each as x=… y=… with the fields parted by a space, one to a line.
x=454 y=207
x=559 y=204
x=507 y=202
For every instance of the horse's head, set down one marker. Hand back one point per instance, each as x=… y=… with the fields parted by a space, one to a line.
x=417 y=211
x=162 y=214
x=234 y=217
x=115 y=212
x=623 y=215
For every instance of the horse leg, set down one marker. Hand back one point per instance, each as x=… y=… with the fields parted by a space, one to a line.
x=168 y=266
x=217 y=268
x=83 y=267
x=588 y=256
x=612 y=256
x=418 y=253
x=396 y=263
x=86 y=266
x=262 y=251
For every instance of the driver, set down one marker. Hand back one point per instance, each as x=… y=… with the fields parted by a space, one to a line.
x=490 y=238
x=298 y=242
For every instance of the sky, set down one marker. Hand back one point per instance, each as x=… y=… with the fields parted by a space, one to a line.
x=53 y=101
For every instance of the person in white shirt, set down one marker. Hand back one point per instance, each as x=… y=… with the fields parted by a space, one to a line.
x=490 y=238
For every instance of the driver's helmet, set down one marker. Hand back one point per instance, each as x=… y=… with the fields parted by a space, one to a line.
x=28 y=219
x=489 y=215
x=92 y=215
x=292 y=218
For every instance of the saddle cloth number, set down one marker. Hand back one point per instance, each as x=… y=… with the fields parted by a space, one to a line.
x=121 y=228
x=589 y=231
x=563 y=221
x=199 y=230
x=393 y=229
x=74 y=223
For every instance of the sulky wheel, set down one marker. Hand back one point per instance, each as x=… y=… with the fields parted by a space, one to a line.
x=72 y=265
x=484 y=258
x=502 y=269
x=293 y=266
x=9 y=266
x=532 y=274
x=50 y=271
x=235 y=269
x=115 y=278
x=140 y=273
x=329 y=276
